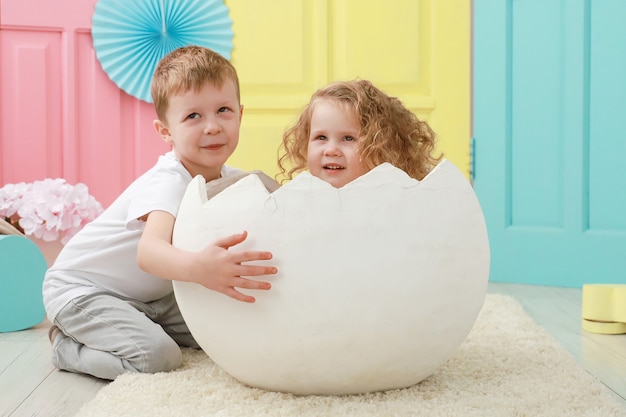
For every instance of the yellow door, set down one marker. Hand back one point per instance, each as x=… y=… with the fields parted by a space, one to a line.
x=416 y=50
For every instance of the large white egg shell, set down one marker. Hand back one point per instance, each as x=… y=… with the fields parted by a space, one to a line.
x=379 y=282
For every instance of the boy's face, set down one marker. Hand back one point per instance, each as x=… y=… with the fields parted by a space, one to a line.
x=203 y=127
x=333 y=144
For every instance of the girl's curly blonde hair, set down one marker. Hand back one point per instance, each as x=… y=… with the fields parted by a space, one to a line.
x=389 y=132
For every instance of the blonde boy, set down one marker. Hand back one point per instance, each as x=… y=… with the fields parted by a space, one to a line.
x=109 y=294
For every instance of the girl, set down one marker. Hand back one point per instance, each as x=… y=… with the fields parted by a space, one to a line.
x=350 y=127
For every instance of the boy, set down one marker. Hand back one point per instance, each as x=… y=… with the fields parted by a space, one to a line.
x=109 y=294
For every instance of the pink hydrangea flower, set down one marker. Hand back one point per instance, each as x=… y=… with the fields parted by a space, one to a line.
x=51 y=209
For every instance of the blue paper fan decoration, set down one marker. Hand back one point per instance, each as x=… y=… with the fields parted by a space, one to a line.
x=131 y=36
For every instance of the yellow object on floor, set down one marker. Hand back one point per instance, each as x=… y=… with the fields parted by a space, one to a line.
x=604 y=327
x=604 y=308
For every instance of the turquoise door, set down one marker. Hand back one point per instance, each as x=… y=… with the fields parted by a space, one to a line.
x=549 y=111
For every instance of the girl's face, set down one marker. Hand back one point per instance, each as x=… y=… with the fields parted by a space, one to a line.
x=333 y=143
x=203 y=127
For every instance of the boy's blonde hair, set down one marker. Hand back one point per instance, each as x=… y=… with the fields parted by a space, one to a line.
x=187 y=68
x=389 y=132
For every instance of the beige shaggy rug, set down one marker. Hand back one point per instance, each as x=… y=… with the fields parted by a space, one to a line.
x=508 y=366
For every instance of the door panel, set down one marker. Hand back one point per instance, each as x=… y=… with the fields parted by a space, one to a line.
x=607 y=107
x=25 y=121
x=548 y=139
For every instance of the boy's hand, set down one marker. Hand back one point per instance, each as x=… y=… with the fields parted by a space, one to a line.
x=222 y=269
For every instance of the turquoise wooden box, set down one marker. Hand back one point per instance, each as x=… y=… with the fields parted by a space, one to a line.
x=22 y=269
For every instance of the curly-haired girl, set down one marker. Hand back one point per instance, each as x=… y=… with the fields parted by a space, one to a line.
x=350 y=127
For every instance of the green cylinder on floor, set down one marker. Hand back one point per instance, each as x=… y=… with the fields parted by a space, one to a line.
x=22 y=269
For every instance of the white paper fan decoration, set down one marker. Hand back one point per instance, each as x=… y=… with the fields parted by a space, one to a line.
x=131 y=36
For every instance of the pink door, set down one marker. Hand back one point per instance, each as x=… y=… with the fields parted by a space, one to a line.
x=60 y=115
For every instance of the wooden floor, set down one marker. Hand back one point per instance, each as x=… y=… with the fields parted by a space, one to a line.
x=29 y=386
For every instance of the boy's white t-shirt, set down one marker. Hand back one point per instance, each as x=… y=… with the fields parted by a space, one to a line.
x=103 y=255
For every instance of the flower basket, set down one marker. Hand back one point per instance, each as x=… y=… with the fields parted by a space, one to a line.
x=49 y=212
